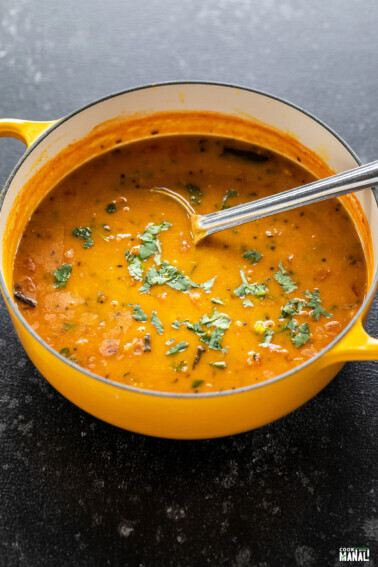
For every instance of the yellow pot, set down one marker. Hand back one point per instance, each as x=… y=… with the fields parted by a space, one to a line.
x=54 y=148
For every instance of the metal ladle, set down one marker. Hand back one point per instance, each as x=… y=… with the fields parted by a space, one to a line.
x=334 y=186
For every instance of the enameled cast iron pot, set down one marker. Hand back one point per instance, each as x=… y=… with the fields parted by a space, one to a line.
x=80 y=136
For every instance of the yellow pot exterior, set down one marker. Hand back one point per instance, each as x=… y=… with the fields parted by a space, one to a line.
x=194 y=417
x=185 y=416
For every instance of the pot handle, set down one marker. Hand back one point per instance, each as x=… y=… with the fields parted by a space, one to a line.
x=356 y=345
x=25 y=130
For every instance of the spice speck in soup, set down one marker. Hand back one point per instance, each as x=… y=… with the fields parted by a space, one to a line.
x=108 y=275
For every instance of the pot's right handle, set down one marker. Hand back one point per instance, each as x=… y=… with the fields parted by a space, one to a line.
x=25 y=130
x=356 y=345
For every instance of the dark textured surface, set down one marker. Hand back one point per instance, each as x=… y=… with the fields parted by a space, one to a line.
x=75 y=491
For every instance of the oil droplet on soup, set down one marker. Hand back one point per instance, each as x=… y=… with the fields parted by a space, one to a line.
x=107 y=274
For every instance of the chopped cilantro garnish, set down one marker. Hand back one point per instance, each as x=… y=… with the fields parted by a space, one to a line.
x=139 y=314
x=169 y=275
x=169 y=342
x=135 y=266
x=197 y=383
x=283 y=278
x=84 y=233
x=207 y=286
x=155 y=321
x=252 y=255
x=300 y=334
x=111 y=208
x=220 y=321
x=217 y=300
x=230 y=193
x=258 y=290
x=247 y=303
x=180 y=366
x=268 y=335
x=67 y=354
x=221 y=365
x=151 y=243
x=195 y=193
x=178 y=348
x=62 y=275
x=315 y=302
x=292 y=307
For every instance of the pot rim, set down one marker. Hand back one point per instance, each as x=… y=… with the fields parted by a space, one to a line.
x=180 y=395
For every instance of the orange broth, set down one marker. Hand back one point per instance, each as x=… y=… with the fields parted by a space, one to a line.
x=284 y=286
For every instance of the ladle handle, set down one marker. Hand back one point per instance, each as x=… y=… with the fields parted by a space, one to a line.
x=340 y=184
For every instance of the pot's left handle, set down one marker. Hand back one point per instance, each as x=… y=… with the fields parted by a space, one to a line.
x=25 y=130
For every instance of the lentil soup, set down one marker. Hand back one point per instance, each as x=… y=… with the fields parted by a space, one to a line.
x=107 y=274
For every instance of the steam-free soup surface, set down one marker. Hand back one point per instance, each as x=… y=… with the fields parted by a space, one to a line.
x=107 y=273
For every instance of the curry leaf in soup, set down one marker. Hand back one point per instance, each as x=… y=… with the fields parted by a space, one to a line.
x=155 y=321
x=252 y=255
x=84 y=233
x=177 y=348
x=197 y=383
x=221 y=365
x=283 y=278
x=62 y=275
x=139 y=314
x=315 y=302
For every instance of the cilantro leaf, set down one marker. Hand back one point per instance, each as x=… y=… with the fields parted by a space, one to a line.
x=252 y=255
x=315 y=302
x=135 y=266
x=155 y=321
x=268 y=335
x=139 y=314
x=230 y=193
x=283 y=278
x=151 y=243
x=220 y=321
x=247 y=303
x=208 y=285
x=67 y=354
x=217 y=300
x=195 y=193
x=300 y=333
x=84 y=233
x=62 y=275
x=197 y=383
x=178 y=348
x=258 y=290
x=180 y=366
x=292 y=307
x=169 y=275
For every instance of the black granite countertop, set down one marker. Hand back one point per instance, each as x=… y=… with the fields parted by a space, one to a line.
x=77 y=492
